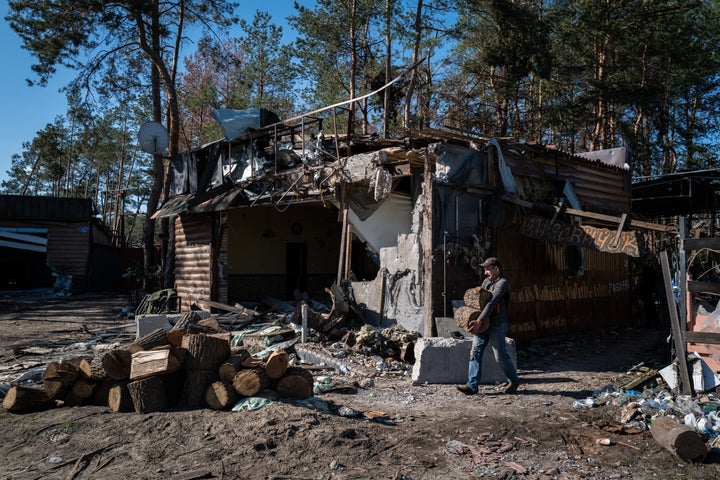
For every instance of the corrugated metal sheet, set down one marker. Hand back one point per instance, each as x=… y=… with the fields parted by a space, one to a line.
x=547 y=301
x=46 y=208
x=193 y=258
x=598 y=187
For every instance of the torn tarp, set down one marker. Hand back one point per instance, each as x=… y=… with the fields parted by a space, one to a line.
x=236 y=122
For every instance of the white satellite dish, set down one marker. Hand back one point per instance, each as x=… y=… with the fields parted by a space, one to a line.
x=153 y=138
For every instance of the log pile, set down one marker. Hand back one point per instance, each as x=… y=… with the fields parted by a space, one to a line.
x=163 y=370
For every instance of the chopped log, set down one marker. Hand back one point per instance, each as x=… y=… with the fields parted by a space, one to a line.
x=93 y=369
x=119 y=399
x=101 y=393
x=465 y=315
x=21 y=399
x=72 y=400
x=477 y=297
x=206 y=352
x=65 y=372
x=252 y=362
x=147 y=342
x=296 y=383
x=83 y=388
x=228 y=369
x=174 y=385
x=148 y=394
x=55 y=388
x=117 y=364
x=250 y=382
x=175 y=337
x=196 y=382
x=679 y=439
x=277 y=363
x=185 y=320
x=220 y=396
x=153 y=362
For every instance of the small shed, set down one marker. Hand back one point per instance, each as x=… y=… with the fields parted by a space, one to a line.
x=42 y=235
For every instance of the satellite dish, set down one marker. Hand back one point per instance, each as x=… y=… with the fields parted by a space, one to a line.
x=153 y=138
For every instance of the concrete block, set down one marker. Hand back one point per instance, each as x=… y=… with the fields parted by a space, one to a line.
x=446 y=327
x=148 y=323
x=445 y=360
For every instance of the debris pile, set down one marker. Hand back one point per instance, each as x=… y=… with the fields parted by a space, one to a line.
x=192 y=365
x=196 y=359
x=687 y=426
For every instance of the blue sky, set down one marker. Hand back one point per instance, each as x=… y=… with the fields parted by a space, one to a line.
x=28 y=109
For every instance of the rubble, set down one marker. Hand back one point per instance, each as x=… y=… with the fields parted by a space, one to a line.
x=197 y=359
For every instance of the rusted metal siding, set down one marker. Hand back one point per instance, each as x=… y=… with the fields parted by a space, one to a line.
x=546 y=301
x=69 y=251
x=193 y=258
x=598 y=188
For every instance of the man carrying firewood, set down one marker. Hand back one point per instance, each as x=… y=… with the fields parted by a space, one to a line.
x=496 y=310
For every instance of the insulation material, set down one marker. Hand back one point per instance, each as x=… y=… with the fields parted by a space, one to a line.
x=381 y=229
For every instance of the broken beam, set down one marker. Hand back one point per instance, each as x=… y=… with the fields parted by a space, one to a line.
x=585 y=214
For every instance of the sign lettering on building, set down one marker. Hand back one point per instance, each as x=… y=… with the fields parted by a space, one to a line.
x=601 y=239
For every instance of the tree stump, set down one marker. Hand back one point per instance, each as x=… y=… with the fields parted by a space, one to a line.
x=119 y=399
x=196 y=382
x=228 y=369
x=220 y=396
x=277 y=363
x=205 y=352
x=679 y=439
x=250 y=382
x=117 y=364
x=148 y=394
x=296 y=383
x=21 y=399
x=149 y=341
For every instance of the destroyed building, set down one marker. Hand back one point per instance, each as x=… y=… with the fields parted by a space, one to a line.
x=285 y=209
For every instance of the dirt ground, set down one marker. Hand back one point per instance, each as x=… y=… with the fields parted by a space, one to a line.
x=391 y=430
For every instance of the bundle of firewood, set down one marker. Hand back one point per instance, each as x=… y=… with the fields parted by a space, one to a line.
x=163 y=370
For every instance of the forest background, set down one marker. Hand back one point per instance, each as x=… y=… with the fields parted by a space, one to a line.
x=581 y=75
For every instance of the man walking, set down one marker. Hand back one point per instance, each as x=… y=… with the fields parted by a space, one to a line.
x=496 y=309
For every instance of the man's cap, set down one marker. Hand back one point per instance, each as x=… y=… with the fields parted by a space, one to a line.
x=490 y=262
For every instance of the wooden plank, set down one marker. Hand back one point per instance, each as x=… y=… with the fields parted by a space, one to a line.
x=709 y=338
x=585 y=214
x=713 y=243
x=703 y=287
x=680 y=353
x=621 y=226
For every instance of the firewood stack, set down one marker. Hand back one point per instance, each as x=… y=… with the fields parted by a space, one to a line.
x=162 y=370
